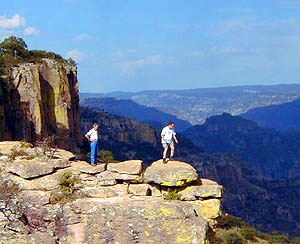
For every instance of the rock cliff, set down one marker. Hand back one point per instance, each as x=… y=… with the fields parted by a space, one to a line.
x=40 y=100
x=53 y=198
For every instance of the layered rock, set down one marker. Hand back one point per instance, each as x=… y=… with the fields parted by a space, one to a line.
x=112 y=203
x=118 y=129
x=40 y=100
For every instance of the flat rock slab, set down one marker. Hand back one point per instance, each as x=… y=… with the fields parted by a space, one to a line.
x=28 y=169
x=34 y=197
x=106 y=178
x=43 y=238
x=132 y=167
x=93 y=170
x=60 y=163
x=99 y=192
x=137 y=220
x=45 y=183
x=209 y=209
x=192 y=193
x=174 y=173
x=139 y=189
x=7 y=146
x=66 y=155
x=203 y=181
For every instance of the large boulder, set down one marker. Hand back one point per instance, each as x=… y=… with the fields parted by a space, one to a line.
x=136 y=220
x=131 y=167
x=174 y=173
x=192 y=193
x=28 y=169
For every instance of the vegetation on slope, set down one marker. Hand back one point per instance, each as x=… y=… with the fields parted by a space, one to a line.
x=233 y=230
x=14 y=51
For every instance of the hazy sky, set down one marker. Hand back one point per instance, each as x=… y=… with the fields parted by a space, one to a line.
x=135 y=45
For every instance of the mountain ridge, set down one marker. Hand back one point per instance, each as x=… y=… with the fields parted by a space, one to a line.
x=195 y=105
x=283 y=117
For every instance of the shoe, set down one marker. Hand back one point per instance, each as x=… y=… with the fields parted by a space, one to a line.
x=164 y=160
x=93 y=164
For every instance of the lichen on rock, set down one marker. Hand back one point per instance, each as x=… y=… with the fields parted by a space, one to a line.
x=110 y=205
x=41 y=100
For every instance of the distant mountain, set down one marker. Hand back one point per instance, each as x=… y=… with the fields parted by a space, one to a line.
x=284 y=117
x=130 y=109
x=270 y=153
x=195 y=105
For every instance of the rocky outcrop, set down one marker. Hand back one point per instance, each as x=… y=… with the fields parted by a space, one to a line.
x=111 y=203
x=178 y=174
x=40 y=100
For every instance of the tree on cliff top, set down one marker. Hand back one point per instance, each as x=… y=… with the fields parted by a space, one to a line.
x=13 y=46
x=13 y=51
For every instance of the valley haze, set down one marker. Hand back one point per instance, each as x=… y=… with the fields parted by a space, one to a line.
x=195 y=105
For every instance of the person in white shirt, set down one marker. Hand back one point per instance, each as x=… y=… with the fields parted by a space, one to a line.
x=168 y=136
x=92 y=136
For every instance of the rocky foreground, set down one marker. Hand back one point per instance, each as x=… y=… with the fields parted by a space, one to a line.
x=54 y=198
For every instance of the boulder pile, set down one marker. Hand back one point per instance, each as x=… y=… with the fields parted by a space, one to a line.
x=64 y=200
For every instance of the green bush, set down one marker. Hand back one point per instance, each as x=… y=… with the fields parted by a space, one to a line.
x=233 y=237
x=220 y=240
x=172 y=195
x=229 y=221
x=249 y=233
x=13 y=51
x=296 y=240
x=106 y=156
x=279 y=239
x=68 y=190
x=68 y=181
x=16 y=153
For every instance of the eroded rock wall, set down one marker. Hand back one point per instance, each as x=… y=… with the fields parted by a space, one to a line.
x=40 y=100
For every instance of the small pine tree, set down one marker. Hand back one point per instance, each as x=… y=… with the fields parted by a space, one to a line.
x=106 y=156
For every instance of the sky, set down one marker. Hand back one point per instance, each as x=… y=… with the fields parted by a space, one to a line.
x=134 y=45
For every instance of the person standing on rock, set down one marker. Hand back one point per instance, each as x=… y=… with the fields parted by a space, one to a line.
x=92 y=136
x=168 y=136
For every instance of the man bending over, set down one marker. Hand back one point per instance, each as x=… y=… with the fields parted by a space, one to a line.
x=168 y=136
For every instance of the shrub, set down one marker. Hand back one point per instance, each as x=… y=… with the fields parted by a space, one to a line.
x=106 y=156
x=249 y=233
x=233 y=237
x=172 y=195
x=68 y=190
x=220 y=240
x=13 y=51
x=47 y=146
x=279 y=239
x=25 y=144
x=16 y=153
x=68 y=181
x=296 y=240
x=229 y=221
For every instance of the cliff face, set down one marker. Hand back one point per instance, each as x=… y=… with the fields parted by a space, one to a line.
x=41 y=202
x=40 y=100
x=117 y=128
